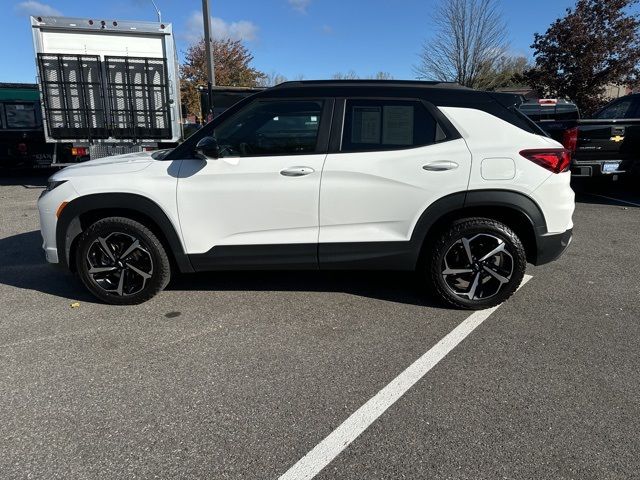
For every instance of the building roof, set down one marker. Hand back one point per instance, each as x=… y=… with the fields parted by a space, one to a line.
x=19 y=91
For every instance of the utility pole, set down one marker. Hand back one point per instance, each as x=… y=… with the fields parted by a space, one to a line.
x=157 y=11
x=211 y=76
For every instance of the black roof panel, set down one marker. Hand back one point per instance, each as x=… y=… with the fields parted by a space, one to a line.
x=376 y=83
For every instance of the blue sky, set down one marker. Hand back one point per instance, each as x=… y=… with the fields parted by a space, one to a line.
x=310 y=38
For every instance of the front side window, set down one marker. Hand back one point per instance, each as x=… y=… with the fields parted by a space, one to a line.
x=386 y=125
x=622 y=109
x=21 y=115
x=271 y=128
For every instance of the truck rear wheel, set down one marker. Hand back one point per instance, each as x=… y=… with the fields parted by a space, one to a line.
x=122 y=262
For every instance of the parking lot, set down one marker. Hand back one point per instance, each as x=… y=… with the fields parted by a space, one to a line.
x=241 y=375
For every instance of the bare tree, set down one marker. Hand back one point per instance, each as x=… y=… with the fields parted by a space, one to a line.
x=470 y=41
x=353 y=75
x=350 y=75
x=272 y=79
x=382 y=76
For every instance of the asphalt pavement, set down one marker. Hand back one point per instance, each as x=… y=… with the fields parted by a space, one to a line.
x=240 y=375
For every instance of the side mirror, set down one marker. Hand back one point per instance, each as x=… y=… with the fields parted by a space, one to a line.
x=207 y=148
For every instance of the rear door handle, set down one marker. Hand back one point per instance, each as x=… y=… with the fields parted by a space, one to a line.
x=297 y=171
x=440 y=166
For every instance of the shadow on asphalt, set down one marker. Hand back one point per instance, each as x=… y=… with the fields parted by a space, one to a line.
x=619 y=193
x=397 y=287
x=26 y=179
x=22 y=265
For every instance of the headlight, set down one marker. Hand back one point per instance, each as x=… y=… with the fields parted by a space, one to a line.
x=51 y=184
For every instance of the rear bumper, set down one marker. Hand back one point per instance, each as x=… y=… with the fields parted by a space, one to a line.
x=552 y=246
x=595 y=168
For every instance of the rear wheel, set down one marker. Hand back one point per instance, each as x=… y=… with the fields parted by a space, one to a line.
x=121 y=261
x=476 y=263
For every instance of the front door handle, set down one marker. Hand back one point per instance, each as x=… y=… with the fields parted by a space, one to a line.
x=297 y=171
x=440 y=166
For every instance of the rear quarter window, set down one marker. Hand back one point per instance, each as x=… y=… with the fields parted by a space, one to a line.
x=388 y=124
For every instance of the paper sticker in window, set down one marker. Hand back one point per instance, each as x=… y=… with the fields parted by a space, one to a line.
x=397 y=126
x=366 y=125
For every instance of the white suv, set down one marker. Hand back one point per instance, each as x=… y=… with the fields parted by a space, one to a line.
x=453 y=182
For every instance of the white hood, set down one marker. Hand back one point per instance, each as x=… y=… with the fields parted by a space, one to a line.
x=118 y=164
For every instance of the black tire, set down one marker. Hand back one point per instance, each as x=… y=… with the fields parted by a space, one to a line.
x=483 y=236
x=124 y=281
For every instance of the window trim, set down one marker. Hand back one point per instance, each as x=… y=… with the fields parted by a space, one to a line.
x=340 y=110
x=322 y=138
x=181 y=152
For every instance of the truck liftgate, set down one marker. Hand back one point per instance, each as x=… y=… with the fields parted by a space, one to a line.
x=107 y=87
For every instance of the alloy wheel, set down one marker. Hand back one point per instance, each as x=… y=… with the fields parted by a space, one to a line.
x=476 y=268
x=119 y=264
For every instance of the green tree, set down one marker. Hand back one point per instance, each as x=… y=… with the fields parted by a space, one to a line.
x=594 y=45
x=232 y=68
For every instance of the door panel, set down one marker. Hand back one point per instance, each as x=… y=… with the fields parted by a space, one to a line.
x=247 y=201
x=264 y=189
x=379 y=196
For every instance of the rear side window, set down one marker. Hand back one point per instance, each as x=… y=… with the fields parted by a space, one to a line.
x=622 y=109
x=386 y=125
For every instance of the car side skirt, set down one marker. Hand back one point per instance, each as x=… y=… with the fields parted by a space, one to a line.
x=324 y=256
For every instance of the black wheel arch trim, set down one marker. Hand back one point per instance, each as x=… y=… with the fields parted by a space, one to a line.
x=396 y=255
x=68 y=226
x=458 y=202
x=369 y=255
x=509 y=199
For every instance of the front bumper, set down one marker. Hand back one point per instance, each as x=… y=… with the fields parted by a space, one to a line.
x=48 y=205
x=552 y=246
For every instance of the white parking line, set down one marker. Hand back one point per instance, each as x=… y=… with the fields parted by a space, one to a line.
x=338 y=440
x=615 y=199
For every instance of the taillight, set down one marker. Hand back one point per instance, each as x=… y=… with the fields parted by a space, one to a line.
x=79 y=151
x=556 y=160
x=570 y=139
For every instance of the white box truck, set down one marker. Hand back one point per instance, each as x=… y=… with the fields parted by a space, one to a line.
x=107 y=86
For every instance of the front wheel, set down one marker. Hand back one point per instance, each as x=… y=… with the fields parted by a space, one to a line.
x=476 y=263
x=121 y=261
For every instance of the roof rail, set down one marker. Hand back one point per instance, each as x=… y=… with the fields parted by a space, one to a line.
x=398 y=83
